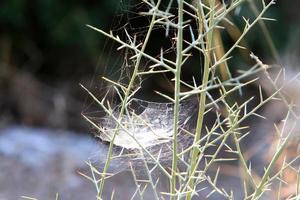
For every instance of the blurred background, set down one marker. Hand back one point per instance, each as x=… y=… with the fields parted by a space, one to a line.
x=46 y=50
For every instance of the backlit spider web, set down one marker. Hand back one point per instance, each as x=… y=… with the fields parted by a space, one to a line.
x=150 y=123
x=149 y=126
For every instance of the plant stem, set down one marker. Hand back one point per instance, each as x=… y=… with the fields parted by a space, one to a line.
x=265 y=179
x=124 y=103
x=177 y=96
x=195 y=152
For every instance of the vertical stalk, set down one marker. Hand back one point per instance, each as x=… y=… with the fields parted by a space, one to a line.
x=125 y=100
x=177 y=96
x=195 y=151
x=265 y=179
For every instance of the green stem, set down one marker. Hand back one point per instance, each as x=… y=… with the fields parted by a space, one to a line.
x=195 y=151
x=124 y=103
x=265 y=181
x=177 y=96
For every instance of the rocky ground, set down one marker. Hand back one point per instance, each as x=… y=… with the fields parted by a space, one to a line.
x=39 y=164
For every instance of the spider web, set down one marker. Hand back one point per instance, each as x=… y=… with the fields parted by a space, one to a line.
x=149 y=125
x=146 y=125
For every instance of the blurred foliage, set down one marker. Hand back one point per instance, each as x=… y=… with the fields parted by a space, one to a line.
x=49 y=41
x=59 y=22
x=48 y=32
x=45 y=51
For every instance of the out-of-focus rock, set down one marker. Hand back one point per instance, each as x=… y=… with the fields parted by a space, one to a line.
x=39 y=164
